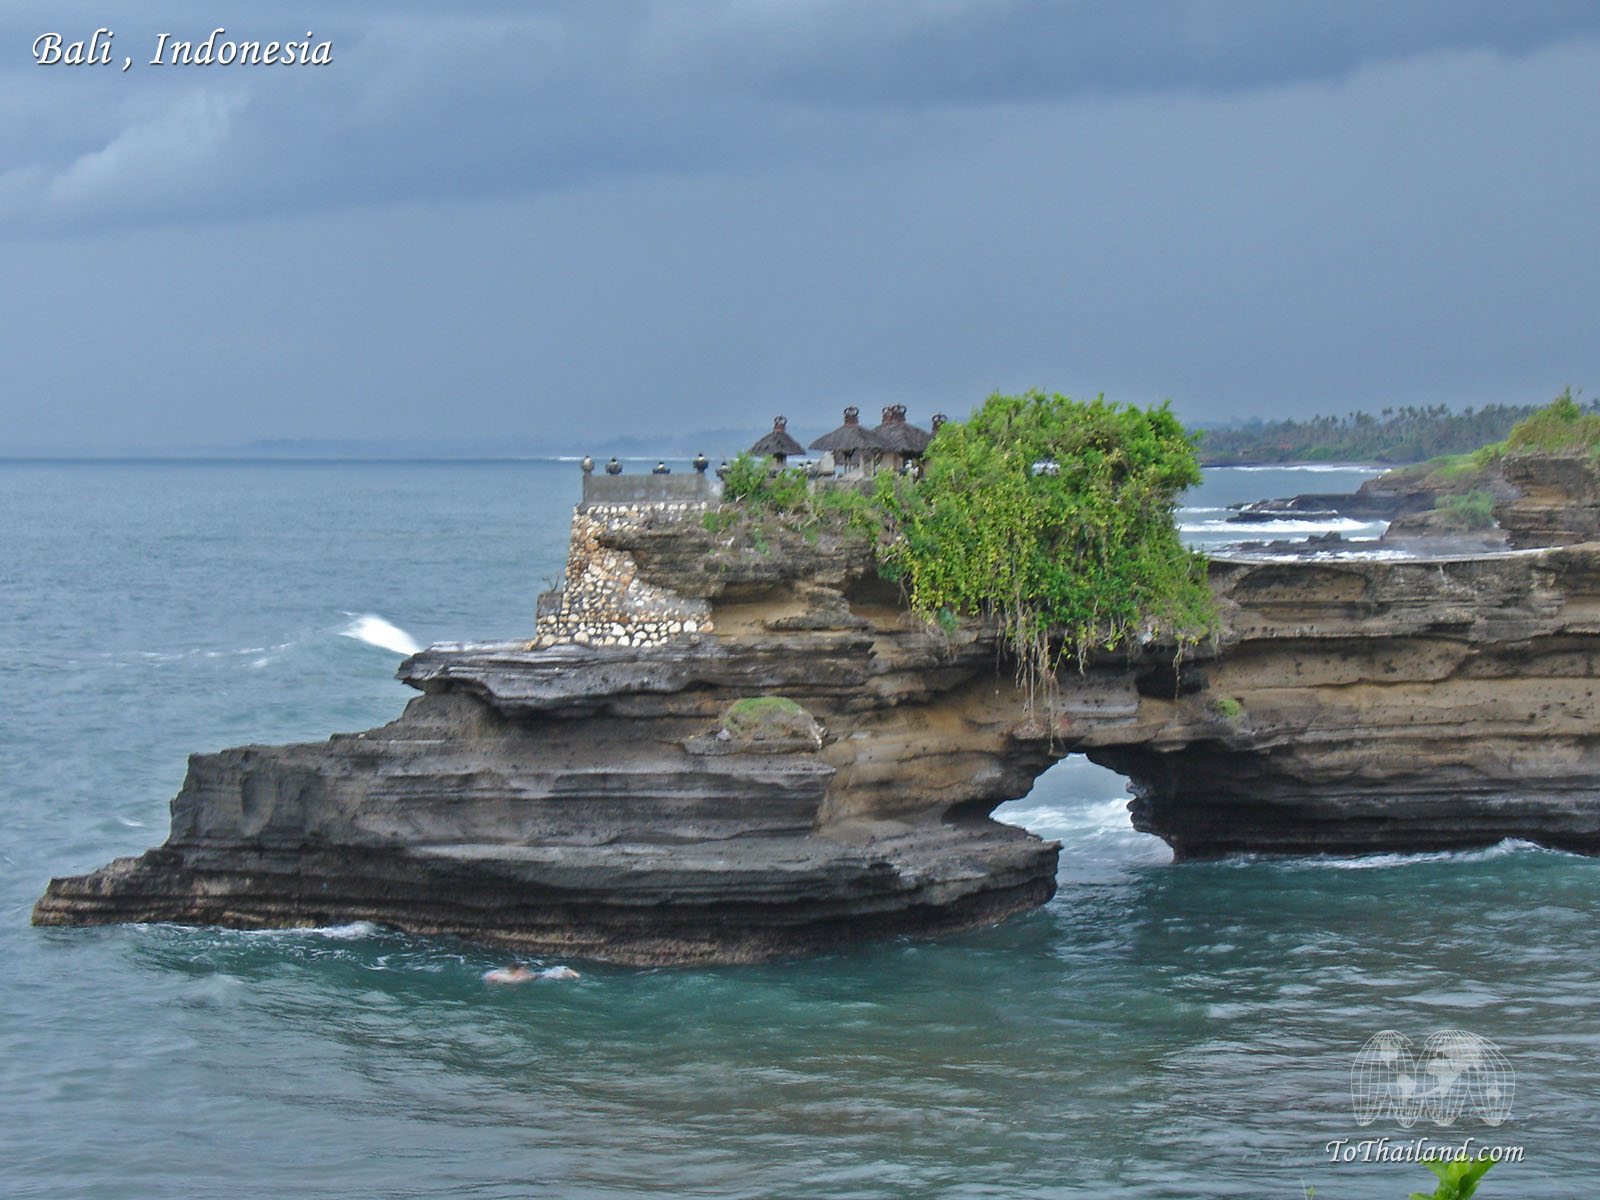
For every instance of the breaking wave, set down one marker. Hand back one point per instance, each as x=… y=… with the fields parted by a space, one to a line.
x=375 y=631
x=1281 y=528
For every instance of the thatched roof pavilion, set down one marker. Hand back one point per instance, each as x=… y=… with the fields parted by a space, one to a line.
x=778 y=445
x=905 y=442
x=852 y=445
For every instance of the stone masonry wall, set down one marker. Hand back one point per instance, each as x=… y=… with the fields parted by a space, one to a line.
x=602 y=601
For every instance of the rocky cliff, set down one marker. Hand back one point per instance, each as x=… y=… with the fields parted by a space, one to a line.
x=1554 y=499
x=586 y=792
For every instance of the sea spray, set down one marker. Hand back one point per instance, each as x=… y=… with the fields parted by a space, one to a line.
x=375 y=631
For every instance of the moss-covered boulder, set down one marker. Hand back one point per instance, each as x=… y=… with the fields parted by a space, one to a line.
x=770 y=719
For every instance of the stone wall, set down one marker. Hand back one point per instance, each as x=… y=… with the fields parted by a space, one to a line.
x=695 y=488
x=603 y=601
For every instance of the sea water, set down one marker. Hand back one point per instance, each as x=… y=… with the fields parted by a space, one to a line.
x=1156 y=1030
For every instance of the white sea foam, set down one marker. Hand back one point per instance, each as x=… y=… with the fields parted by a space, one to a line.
x=1081 y=819
x=1382 y=862
x=1279 y=528
x=375 y=631
x=1315 y=468
x=1319 y=556
x=341 y=933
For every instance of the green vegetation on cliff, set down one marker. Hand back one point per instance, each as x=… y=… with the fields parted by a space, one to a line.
x=1466 y=510
x=1053 y=517
x=1050 y=516
x=1465 y=485
x=787 y=496
x=1561 y=427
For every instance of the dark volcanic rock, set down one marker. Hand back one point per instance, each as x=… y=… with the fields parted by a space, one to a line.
x=1359 y=505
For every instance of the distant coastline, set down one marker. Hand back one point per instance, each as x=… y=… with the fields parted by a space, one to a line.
x=1391 y=437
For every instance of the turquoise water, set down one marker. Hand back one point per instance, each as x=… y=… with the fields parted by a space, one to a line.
x=1156 y=1030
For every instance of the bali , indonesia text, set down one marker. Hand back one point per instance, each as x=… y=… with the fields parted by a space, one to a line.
x=55 y=50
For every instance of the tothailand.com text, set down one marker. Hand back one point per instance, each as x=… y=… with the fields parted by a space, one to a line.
x=1416 y=1150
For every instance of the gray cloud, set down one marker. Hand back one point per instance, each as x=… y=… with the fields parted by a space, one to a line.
x=489 y=219
x=465 y=100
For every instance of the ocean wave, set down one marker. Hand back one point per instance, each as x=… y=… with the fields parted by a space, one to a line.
x=348 y=932
x=1507 y=848
x=1097 y=817
x=1313 y=468
x=375 y=631
x=1341 y=555
x=1280 y=528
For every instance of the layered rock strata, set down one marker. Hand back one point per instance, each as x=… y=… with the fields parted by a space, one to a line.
x=1381 y=706
x=1554 y=499
x=586 y=797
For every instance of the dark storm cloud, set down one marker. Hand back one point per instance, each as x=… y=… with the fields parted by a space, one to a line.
x=542 y=220
x=478 y=100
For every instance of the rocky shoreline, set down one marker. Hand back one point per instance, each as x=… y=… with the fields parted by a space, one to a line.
x=586 y=792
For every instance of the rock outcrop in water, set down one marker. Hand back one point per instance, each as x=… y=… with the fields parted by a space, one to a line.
x=582 y=793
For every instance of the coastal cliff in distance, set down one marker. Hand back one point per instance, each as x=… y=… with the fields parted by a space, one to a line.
x=725 y=744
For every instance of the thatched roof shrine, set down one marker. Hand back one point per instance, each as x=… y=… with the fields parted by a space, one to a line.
x=896 y=434
x=777 y=444
x=851 y=437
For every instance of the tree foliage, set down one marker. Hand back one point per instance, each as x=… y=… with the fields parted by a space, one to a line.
x=1396 y=435
x=1053 y=517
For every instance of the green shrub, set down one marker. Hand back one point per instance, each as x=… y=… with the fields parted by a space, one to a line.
x=1458 y=1179
x=1560 y=427
x=1470 y=511
x=1487 y=457
x=1053 y=517
x=756 y=481
x=1452 y=466
x=787 y=498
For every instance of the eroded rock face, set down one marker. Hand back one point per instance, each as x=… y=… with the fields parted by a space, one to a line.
x=578 y=798
x=1377 y=706
x=1556 y=501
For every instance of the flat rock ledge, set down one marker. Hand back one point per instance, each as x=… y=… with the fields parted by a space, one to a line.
x=576 y=801
x=638 y=904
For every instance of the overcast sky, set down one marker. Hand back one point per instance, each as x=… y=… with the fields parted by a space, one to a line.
x=559 y=221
